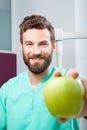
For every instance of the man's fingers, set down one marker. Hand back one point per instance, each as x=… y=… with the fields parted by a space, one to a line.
x=57 y=74
x=84 y=82
x=63 y=120
x=73 y=73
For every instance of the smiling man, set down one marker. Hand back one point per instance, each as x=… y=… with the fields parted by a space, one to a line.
x=22 y=105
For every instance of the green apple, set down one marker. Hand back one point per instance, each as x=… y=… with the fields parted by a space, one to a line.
x=64 y=96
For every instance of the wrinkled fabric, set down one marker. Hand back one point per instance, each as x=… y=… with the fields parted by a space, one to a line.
x=23 y=108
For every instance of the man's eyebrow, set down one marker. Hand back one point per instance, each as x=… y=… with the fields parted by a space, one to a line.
x=28 y=41
x=44 y=41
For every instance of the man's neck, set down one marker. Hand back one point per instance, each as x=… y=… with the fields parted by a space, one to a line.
x=37 y=78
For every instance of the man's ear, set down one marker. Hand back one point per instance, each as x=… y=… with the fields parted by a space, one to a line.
x=54 y=46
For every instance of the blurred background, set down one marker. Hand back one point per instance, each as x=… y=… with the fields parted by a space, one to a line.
x=69 y=15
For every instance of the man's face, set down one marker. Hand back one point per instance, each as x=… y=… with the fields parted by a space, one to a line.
x=37 y=50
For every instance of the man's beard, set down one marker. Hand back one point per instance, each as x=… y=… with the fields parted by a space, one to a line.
x=38 y=68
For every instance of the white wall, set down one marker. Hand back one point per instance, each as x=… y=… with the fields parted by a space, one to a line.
x=81 y=26
x=59 y=12
x=81 y=45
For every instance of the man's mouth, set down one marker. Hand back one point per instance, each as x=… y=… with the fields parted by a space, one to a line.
x=38 y=60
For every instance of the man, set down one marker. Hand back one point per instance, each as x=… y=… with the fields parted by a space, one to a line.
x=22 y=105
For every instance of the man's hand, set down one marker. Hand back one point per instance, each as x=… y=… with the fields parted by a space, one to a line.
x=83 y=113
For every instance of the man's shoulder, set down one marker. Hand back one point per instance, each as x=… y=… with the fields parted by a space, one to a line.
x=13 y=85
x=16 y=79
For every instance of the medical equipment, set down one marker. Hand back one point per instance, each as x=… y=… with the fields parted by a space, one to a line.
x=60 y=36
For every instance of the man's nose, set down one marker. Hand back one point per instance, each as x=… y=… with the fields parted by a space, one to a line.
x=36 y=50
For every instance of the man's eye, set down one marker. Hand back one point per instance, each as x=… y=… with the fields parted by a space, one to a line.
x=44 y=44
x=29 y=44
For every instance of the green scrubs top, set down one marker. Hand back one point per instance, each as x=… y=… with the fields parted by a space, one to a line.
x=23 y=108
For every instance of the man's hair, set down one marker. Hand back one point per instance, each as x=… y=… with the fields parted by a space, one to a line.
x=36 y=22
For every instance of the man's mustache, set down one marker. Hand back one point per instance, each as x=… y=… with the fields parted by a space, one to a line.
x=36 y=56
